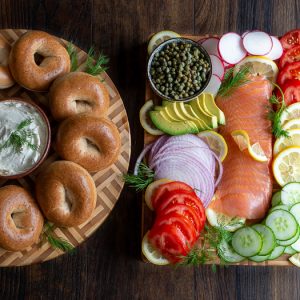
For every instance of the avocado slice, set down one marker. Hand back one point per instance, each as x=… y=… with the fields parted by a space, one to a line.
x=189 y=109
x=210 y=104
x=212 y=121
x=158 y=108
x=201 y=102
x=163 y=123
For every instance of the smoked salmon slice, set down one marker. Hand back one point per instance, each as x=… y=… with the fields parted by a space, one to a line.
x=246 y=186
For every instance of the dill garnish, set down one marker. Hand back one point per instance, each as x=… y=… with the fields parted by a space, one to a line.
x=140 y=181
x=96 y=66
x=232 y=82
x=55 y=242
x=20 y=137
x=73 y=56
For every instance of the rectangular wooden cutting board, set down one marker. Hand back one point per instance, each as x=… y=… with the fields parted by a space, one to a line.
x=148 y=215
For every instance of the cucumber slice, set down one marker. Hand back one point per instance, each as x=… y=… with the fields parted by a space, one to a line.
x=280 y=206
x=290 y=250
x=227 y=253
x=290 y=241
x=295 y=211
x=278 y=251
x=276 y=198
x=283 y=224
x=247 y=242
x=259 y=258
x=296 y=245
x=290 y=193
x=268 y=237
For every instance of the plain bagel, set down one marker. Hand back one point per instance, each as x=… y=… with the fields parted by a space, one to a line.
x=36 y=59
x=66 y=193
x=21 y=221
x=78 y=92
x=92 y=142
x=6 y=79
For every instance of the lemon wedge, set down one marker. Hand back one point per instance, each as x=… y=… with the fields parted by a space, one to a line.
x=295 y=259
x=290 y=113
x=159 y=38
x=286 y=166
x=259 y=66
x=292 y=124
x=216 y=142
x=242 y=139
x=153 y=255
x=283 y=142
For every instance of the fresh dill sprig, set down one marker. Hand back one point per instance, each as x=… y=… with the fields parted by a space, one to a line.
x=73 y=56
x=232 y=82
x=55 y=242
x=95 y=66
x=140 y=181
x=20 y=137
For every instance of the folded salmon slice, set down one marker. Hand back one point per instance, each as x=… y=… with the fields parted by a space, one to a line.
x=246 y=186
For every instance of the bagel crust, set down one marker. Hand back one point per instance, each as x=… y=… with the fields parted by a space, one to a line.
x=21 y=221
x=6 y=79
x=78 y=92
x=26 y=71
x=66 y=193
x=92 y=142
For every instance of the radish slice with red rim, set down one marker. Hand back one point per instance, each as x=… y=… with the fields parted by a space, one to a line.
x=202 y=40
x=257 y=43
x=217 y=66
x=211 y=45
x=213 y=85
x=277 y=50
x=247 y=31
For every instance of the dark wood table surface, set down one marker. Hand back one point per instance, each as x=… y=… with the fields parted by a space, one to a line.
x=108 y=265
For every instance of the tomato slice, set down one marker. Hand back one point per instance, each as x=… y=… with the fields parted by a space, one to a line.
x=290 y=71
x=168 y=187
x=290 y=56
x=290 y=39
x=291 y=91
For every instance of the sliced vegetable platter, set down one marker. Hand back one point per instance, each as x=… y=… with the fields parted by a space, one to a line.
x=266 y=246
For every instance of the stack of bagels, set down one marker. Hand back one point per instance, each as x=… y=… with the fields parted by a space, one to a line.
x=87 y=140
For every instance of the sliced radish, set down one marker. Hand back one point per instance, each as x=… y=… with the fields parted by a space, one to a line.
x=202 y=40
x=227 y=65
x=257 y=43
x=211 y=45
x=231 y=48
x=245 y=33
x=276 y=50
x=213 y=85
x=217 y=66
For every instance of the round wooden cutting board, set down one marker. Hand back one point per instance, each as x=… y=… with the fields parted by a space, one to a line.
x=109 y=182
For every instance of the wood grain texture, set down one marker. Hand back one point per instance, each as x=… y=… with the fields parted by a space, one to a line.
x=107 y=266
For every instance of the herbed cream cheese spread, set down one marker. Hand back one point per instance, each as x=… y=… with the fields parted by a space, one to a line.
x=23 y=137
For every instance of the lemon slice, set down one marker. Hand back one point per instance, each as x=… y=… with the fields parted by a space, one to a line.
x=153 y=255
x=284 y=142
x=290 y=113
x=295 y=259
x=242 y=139
x=259 y=66
x=286 y=166
x=292 y=124
x=159 y=38
x=216 y=142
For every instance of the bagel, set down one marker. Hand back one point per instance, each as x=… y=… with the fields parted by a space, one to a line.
x=92 y=142
x=66 y=193
x=78 y=92
x=25 y=67
x=6 y=79
x=21 y=221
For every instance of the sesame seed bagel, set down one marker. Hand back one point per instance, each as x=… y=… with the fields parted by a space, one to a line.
x=21 y=221
x=78 y=92
x=25 y=67
x=66 y=193
x=6 y=79
x=92 y=142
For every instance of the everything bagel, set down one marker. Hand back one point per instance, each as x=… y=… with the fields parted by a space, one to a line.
x=92 y=142
x=36 y=59
x=78 y=92
x=66 y=193
x=21 y=222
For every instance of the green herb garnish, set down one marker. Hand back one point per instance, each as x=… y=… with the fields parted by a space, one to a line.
x=96 y=66
x=20 y=137
x=55 y=242
x=144 y=177
x=73 y=56
x=232 y=82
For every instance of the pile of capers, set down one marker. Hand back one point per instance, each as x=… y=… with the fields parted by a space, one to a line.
x=179 y=70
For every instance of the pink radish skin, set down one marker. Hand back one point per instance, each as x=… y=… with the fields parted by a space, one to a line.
x=277 y=50
x=257 y=43
x=231 y=48
x=213 y=85
x=217 y=66
x=202 y=40
x=211 y=45
x=245 y=33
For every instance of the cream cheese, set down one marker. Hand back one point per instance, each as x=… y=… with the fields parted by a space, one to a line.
x=15 y=161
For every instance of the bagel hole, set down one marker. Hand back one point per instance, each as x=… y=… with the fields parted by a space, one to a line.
x=91 y=146
x=83 y=106
x=68 y=203
x=38 y=58
x=20 y=219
